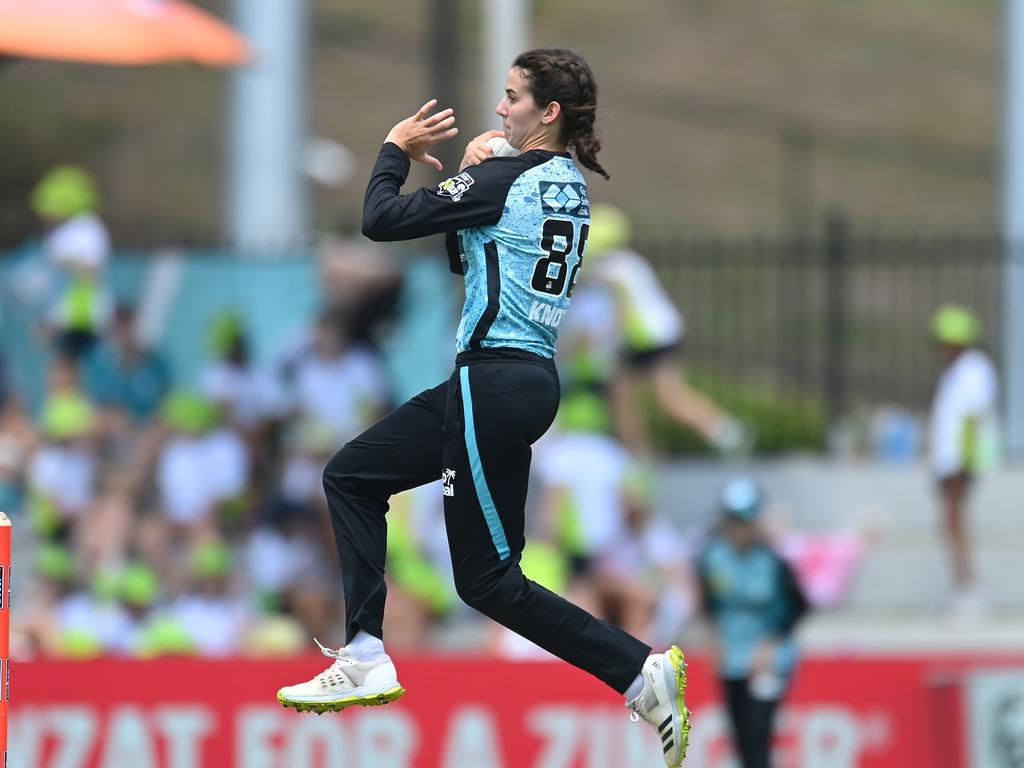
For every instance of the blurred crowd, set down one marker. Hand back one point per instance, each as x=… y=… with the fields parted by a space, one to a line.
x=159 y=519
x=162 y=519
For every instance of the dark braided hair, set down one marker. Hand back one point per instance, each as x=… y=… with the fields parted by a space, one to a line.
x=558 y=74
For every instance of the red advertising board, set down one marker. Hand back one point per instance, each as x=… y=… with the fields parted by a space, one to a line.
x=466 y=713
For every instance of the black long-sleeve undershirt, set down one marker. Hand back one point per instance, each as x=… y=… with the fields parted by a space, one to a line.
x=475 y=197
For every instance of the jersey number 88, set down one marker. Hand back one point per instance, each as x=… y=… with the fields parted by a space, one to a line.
x=543 y=281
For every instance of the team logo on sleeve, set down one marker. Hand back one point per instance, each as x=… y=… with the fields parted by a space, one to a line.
x=455 y=187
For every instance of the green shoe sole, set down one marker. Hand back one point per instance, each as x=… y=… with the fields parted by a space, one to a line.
x=376 y=700
x=679 y=665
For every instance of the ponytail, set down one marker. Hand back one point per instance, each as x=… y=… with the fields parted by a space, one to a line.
x=558 y=74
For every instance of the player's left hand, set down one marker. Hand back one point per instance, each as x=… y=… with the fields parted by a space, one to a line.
x=477 y=150
x=416 y=134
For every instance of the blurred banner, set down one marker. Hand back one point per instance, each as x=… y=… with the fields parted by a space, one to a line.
x=475 y=713
x=996 y=716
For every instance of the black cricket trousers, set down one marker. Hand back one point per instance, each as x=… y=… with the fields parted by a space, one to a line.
x=753 y=722
x=474 y=431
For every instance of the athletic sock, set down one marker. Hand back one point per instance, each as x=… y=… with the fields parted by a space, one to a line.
x=635 y=688
x=365 y=646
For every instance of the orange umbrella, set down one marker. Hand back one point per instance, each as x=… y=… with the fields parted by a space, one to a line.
x=117 y=32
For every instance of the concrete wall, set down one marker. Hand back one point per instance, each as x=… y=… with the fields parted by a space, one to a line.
x=907 y=567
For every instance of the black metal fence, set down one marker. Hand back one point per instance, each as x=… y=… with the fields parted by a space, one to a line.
x=803 y=334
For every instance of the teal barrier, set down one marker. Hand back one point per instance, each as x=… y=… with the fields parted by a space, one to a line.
x=276 y=298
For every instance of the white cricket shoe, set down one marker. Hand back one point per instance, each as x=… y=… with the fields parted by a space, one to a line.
x=662 y=703
x=347 y=682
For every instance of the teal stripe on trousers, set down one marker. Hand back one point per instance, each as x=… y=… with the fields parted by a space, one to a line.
x=483 y=493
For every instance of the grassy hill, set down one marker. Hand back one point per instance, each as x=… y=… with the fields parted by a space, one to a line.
x=727 y=116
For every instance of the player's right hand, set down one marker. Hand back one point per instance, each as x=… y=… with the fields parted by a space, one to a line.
x=477 y=150
x=418 y=133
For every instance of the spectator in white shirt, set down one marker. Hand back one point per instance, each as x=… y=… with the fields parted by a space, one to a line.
x=248 y=394
x=213 y=614
x=78 y=244
x=340 y=385
x=202 y=469
x=61 y=472
x=963 y=435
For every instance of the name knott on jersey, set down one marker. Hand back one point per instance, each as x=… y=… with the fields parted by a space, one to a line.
x=546 y=314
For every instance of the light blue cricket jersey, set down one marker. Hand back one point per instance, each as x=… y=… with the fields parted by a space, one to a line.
x=752 y=596
x=517 y=229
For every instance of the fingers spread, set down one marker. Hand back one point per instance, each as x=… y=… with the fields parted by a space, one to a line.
x=442 y=115
x=422 y=111
x=443 y=125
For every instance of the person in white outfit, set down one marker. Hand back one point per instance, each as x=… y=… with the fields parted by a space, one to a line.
x=77 y=243
x=650 y=336
x=963 y=435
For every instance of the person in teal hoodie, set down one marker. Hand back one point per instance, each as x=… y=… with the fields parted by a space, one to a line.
x=753 y=601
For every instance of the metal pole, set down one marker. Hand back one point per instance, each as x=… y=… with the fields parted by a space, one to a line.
x=835 y=318
x=266 y=196
x=506 y=35
x=1013 y=228
x=797 y=183
x=445 y=57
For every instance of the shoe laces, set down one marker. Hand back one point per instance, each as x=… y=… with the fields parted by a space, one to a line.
x=339 y=655
x=639 y=706
x=634 y=708
x=341 y=658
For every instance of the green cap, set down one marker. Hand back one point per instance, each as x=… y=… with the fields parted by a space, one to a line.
x=224 y=331
x=55 y=562
x=79 y=644
x=67 y=416
x=165 y=635
x=584 y=412
x=275 y=636
x=139 y=585
x=609 y=230
x=955 y=325
x=210 y=559
x=106 y=583
x=190 y=413
x=65 y=191
x=545 y=564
